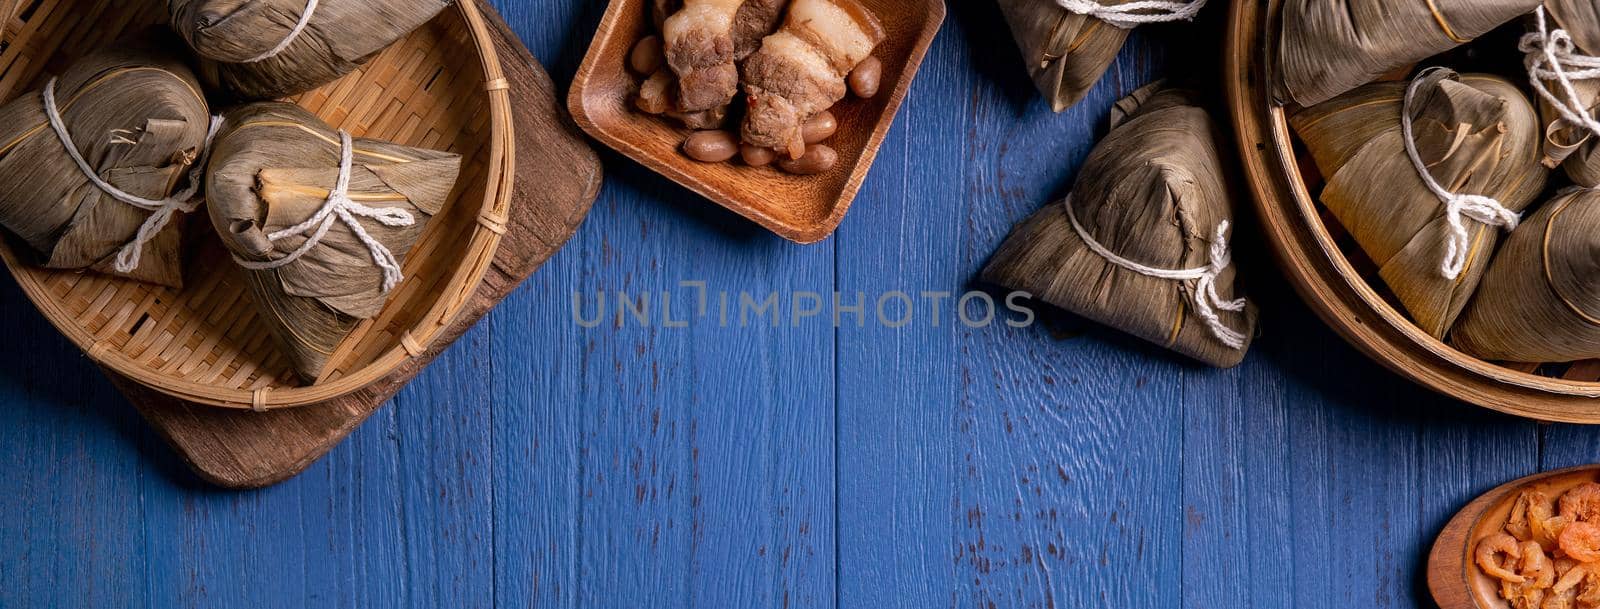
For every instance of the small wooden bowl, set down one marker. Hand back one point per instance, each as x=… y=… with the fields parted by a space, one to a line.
x=1453 y=578
x=441 y=87
x=804 y=209
x=1319 y=264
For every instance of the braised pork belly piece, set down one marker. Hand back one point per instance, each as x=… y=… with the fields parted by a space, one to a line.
x=702 y=79
x=754 y=21
x=659 y=95
x=792 y=60
x=801 y=70
x=700 y=50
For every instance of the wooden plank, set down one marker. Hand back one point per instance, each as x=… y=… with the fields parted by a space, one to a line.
x=557 y=179
x=1568 y=446
x=446 y=469
x=535 y=442
x=70 y=447
x=538 y=430
x=897 y=464
x=1353 y=472
x=995 y=466
x=1464 y=452
x=702 y=449
x=699 y=458
x=1236 y=458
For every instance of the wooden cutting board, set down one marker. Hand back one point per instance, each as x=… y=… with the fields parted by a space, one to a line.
x=558 y=177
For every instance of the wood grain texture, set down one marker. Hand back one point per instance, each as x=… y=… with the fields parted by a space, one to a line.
x=556 y=182
x=863 y=467
x=805 y=209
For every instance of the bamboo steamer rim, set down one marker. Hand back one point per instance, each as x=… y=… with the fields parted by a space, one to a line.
x=1325 y=278
x=495 y=212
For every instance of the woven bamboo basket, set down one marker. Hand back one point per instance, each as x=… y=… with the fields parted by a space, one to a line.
x=1324 y=265
x=439 y=88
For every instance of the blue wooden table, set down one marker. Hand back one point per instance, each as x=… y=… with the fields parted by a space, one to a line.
x=541 y=463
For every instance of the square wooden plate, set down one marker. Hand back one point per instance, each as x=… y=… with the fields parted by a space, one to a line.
x=804 y=209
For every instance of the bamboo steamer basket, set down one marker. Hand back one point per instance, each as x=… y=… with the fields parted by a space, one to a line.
x=441 y=88
x=1317 y=257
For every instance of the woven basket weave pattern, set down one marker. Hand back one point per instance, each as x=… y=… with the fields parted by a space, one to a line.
x=438 y=88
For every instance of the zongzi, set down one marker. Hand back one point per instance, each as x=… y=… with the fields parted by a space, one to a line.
x=266 y=49
x=1328 y=47
x=320 y=220
x=1431 y=232
x=1141 y=243
x=1565 y=72
x=800 y=70
x=1068 y=44
x=92 y=167
x=1540 y=300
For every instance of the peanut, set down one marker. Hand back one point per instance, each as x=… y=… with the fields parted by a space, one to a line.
x=819 y=128
x=865 y=78
x=710 y=146
x=648 y=55
x=756 y=156
x=818 y=158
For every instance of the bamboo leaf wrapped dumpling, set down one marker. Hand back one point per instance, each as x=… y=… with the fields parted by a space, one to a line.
x=136 y=119
x=1140 y=244
x=1540 y=300
x=1065 y=52
x=1477 y=135
x=267 y=49
x=1580 y=18
x=1560 y=51
x=1328 y=47
x=321 y=235
x=1067 y=45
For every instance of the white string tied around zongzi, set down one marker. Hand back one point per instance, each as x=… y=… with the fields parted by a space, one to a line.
x=339 y=207
x=299 y=28
x=1138 y=12
x=1482 y=209
x=1553 y=56
x=1206 y=299
x=161 y=210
